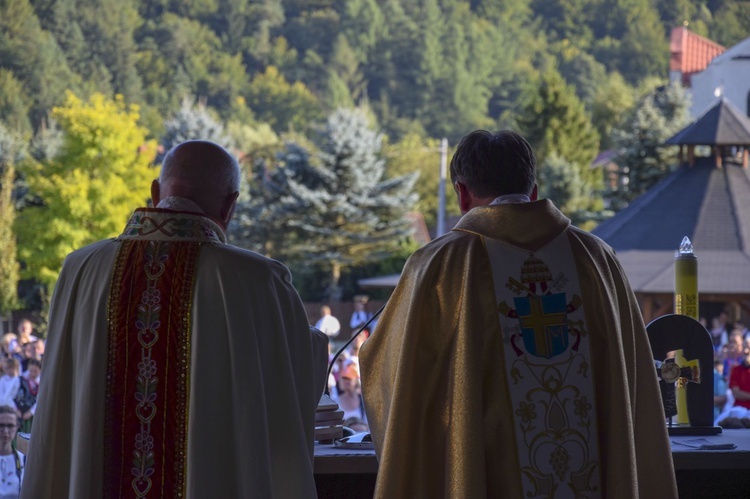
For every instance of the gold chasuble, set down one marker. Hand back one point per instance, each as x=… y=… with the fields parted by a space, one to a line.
x=547 y=368
x=512 y=361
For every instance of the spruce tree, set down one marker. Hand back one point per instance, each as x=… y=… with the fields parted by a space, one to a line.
x=334 y=205
x=192 y=122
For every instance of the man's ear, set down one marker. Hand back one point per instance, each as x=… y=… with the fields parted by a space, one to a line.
x=155 y=192
x=534 y=193
x=465 y=198
x=227 y=210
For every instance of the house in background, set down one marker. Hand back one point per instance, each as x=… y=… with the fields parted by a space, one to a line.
x=689 y=54
x=710 y=71
x=727 y=75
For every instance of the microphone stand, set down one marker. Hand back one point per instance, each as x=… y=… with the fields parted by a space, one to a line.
x=327 y=390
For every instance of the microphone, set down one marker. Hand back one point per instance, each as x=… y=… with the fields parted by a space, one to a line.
x=327 y=390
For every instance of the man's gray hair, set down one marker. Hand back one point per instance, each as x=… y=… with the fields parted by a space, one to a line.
x=198 y=162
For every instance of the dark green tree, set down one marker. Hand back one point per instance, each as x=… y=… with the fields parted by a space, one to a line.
x=34 y=57
x=11 y=150
x=644 y=159
x=556 y=125
x=14 y=104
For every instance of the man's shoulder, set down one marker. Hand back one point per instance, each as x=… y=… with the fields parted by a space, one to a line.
x=448 y=242
x=241 y=260
x=86 y=252
x=594 y=244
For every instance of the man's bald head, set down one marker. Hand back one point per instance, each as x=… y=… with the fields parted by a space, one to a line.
x=203 y=172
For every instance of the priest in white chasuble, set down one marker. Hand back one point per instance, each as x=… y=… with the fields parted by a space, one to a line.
x=512 y=359
x=177 y=365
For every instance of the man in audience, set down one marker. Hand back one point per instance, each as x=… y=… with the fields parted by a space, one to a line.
x=177 y=365
x=327 y=323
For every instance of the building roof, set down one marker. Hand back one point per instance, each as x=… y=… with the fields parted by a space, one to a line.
x=690 y=53
x=723 y=124
x=740 y=51
x=707 y=204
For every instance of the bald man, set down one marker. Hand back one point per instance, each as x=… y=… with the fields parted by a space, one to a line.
x=177 y=365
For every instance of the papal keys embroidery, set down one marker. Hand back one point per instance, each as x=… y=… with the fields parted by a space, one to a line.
x=547 y=365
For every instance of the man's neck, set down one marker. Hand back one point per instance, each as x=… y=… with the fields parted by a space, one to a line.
x=178 y=203
x=510 y=199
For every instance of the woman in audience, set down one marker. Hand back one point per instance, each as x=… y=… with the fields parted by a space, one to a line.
x=348 y=394
x=11 y=461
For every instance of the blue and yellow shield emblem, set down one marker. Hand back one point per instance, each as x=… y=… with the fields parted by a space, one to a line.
x=544 y=324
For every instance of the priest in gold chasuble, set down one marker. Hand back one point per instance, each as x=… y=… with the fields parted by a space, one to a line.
x=177 y=365
x=512 y=359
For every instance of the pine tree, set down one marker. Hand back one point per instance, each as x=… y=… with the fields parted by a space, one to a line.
x=556 y=124
x=334 y=204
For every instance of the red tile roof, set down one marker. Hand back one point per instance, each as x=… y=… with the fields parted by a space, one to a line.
x=690 y=53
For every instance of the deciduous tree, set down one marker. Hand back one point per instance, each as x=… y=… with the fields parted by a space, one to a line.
x=86 y=192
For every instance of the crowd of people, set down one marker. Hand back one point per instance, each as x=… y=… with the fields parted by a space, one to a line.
x=344 y=383
x=21 y=365
x=731 y=340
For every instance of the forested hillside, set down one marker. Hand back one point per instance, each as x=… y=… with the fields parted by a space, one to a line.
x=434 y=67
x=335 y=108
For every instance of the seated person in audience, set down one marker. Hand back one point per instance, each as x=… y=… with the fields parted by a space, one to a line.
x=739 y=384
x=9 y=383
x=732 y=353
x=12 y=462
x=10 y=347
x=720 y=388
x=30 y=387
x=348 y=394
x=26 y=332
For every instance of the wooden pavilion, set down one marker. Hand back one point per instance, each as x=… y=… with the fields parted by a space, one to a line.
x=711 y=206
x=721 y=127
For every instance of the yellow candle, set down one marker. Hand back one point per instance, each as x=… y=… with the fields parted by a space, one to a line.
x=685 y=303
x=686 y=281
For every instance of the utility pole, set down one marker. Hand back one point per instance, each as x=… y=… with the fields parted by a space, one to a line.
x=441 y=187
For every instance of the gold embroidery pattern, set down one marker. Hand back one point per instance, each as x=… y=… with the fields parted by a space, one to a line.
x=148 y=371
x=167 y=225
x=547 y=359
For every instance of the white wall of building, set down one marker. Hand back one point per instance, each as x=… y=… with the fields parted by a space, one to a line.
x=727 y=75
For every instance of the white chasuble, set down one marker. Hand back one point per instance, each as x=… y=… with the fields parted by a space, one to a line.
x=548 y=368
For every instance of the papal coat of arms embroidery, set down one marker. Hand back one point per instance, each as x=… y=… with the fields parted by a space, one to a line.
x=547 y=363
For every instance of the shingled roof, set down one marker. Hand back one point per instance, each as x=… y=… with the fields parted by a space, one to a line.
x=709 y=205
x=722 y=125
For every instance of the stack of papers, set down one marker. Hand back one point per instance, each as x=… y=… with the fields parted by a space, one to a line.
x=703 y=444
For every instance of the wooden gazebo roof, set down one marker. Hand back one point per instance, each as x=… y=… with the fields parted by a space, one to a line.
x=709 y=205
x=722 y=125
